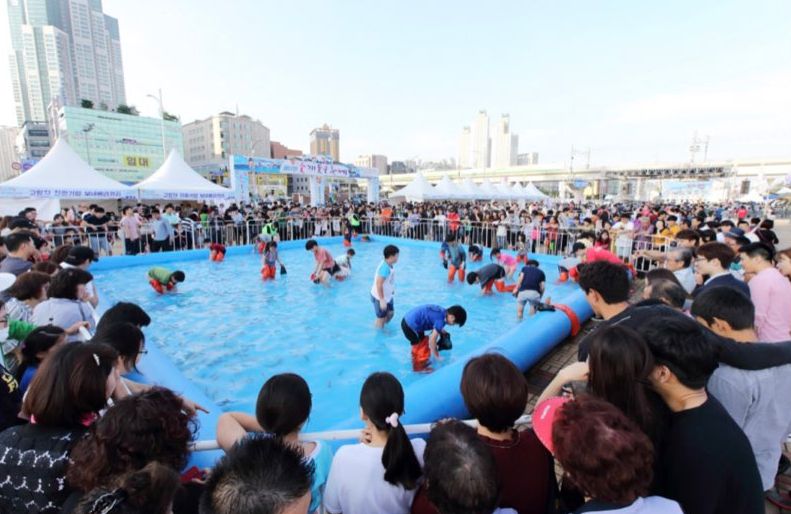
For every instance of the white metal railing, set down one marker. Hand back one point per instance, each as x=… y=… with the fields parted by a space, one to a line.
x=351 y=434
x=514 y=235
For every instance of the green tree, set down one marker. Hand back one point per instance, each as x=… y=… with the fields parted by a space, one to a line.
x=127 y=109
x=169 y=117
x=86 y=104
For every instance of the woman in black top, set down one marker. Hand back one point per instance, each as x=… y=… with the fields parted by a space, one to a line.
x=64 y=399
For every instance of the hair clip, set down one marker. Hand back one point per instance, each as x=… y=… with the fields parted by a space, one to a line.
x=96 y=358
x=105 y=503
x=392 y=420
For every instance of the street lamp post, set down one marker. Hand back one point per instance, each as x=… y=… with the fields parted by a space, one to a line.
x=87 y=128
x=161 y=121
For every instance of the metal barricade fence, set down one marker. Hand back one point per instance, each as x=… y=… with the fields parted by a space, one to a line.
x=643 y=251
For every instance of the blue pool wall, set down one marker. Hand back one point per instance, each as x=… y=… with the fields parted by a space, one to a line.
x=524 y=345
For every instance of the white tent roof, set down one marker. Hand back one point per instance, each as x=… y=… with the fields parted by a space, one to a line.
x=489 y=191
x=416 y=191
x=470 y=190
x=175 y=180
x=505 y=190
x=63 y=174
x=533 y=193
x=446 y=189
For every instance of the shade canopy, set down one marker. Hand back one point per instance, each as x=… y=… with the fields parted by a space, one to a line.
x=62 y=174
x=447 y=190
x=489 y=191
x=470 y=190
x=531 y=192
x=416 y=191
x=175 y=180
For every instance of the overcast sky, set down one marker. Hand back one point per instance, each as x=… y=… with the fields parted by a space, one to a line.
x=632 y=80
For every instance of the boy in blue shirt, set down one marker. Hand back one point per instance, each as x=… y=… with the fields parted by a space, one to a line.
x=430 y=318
x=530 y=287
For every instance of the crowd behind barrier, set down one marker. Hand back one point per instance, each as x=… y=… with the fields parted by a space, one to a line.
x=677 y=402
x=190 y=235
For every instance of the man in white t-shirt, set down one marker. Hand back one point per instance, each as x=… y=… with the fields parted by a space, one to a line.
x=383 y=287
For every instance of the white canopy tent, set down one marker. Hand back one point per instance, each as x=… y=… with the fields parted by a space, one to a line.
x=752 y=197
x=470 y=190
x=63 y=175
x=505 y=190
x=533 y=193
x=489 y=191
x=416 y=191
x=175 y=180
x=447 y=190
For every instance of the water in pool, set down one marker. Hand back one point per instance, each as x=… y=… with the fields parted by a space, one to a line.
x=228 y=331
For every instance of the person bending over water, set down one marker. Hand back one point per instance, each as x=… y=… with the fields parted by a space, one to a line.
x=163 y=279
x=432 y=319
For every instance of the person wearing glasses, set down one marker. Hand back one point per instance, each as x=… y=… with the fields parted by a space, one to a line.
x=713 y=260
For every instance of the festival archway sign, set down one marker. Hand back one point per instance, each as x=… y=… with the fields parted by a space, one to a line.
x=316 y=168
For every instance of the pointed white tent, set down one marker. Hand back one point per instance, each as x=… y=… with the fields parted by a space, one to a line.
x=505 y=190
x=175 y=180
x=488 y=191
x=416 y=191
x=518 y=191
x=64 y=175
x=447 y=190
x=533 y=193
x=470 y=190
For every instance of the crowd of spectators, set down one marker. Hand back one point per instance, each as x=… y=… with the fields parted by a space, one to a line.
x=679 y=403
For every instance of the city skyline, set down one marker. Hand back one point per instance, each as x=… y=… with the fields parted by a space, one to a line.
x=67 y=51
x=631 y=82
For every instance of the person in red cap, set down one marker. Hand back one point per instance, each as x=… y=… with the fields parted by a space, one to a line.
x=603 y=454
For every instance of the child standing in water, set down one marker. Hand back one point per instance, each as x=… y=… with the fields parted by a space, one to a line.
x=269 y=260
x=454 y=258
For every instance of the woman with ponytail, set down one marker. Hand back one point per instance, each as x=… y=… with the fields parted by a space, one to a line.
x=381 y=474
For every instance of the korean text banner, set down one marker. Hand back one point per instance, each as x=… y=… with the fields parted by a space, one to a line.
x=301 y=166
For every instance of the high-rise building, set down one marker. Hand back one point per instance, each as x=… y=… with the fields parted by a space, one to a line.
x=66 y=49
x=526 y=159
x=465 y=148
x=372 y=161
x=33 y=140
x=8 y=153
x=506 y=144
x=123 y=147
x=325 y=141
x=481 y=142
